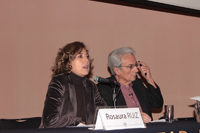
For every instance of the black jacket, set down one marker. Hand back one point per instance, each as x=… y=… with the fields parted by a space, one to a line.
x=60 y=107
x=148 y=98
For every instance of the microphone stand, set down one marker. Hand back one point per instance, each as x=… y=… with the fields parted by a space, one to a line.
x=114 y=96
x=114 y=87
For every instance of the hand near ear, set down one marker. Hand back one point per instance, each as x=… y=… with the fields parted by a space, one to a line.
x=145 y=71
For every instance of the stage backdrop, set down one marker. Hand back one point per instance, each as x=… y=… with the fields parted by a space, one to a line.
x=32 y=31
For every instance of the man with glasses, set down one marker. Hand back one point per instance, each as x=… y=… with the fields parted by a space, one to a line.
x=132 y=91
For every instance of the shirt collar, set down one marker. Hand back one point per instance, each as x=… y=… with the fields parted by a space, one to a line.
x=122 y=85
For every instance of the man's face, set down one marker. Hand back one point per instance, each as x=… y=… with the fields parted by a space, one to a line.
x=127 y=74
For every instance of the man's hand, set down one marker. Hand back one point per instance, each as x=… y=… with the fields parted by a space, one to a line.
x=145 y=71
x=146 y=117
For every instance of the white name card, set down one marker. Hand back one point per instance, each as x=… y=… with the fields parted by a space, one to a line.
x=119 y=118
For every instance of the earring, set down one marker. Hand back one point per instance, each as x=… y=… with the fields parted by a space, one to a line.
x=69 y=68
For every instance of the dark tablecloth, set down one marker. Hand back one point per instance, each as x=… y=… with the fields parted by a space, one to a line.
x=187 y=126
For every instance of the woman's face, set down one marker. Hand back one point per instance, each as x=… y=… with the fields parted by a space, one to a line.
x=81 y=64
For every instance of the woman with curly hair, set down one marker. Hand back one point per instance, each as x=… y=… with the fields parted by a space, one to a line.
x=71 y=97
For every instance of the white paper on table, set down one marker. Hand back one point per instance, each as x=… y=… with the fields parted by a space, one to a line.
x=195 y=98
x=83 y=125
x=161 y=120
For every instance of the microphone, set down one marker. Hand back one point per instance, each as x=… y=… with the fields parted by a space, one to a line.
x=105 y=81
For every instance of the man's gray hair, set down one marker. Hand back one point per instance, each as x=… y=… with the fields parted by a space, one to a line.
x=114 y=58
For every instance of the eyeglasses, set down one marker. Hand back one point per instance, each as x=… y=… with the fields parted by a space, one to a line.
x=131 y=66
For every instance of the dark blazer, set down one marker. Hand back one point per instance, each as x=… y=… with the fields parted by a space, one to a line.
x=60 y=107
x=148 y=98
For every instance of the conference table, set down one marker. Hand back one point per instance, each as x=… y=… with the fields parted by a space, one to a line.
x=181 y=126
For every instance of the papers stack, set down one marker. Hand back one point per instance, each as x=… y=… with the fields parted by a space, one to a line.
x=196 y=98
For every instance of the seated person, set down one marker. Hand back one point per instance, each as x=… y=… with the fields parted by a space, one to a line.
x=132 y=91
x=71 y=97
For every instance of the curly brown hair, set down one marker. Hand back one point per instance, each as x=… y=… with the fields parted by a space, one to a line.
x=64 y=57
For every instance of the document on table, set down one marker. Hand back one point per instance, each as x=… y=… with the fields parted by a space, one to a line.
x=161 y=120
x=83 y=125
x=195 y=98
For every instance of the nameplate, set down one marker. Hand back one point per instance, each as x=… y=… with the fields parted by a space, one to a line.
x=119 y=118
